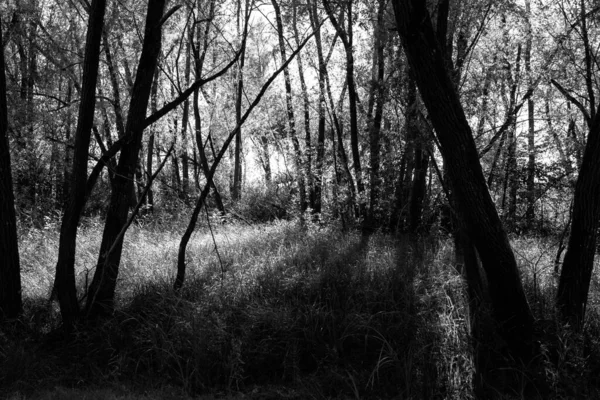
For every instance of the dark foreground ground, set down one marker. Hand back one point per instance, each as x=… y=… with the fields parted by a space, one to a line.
x=278 y=312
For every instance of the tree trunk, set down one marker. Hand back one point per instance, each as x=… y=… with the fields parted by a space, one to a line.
x=185 y=172
x=347 y=40
x=10 y=270
x=530 y=212
x=202 y=153
x=578 y=264
x=239 y=87
x=151 y=140
x=378 y=91
x=101 y=291
x=64 y=283
x=199 y=57
x=475 y=206
x=306 y=108
x=290 y=111
x=320 y=156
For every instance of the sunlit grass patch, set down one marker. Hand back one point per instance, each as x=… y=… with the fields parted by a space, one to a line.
x=321 y=312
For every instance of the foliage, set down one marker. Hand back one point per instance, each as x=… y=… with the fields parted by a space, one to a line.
x=261 y=204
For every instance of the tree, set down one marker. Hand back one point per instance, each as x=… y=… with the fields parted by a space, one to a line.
x=10 y=270
x=376 y=100
x=347 y=41
x=239 y=89
x=290 y=110
x=65 y=266
x=475 y=206
x=101 y=291
x=578 y=264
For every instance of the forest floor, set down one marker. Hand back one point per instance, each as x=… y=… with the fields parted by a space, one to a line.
x=273 y=311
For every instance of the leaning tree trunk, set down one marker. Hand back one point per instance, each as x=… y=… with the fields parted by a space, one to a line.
x=101 y=292
x=65 y=267
x=578 y=264
x=475 y=206
x=10 y=271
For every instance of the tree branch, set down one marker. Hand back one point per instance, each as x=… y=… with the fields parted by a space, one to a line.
x=572 y=99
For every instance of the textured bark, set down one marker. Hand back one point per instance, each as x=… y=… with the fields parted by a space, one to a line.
x=64 y=283
x=10 y=270
x=475 y=206
x=101 y=291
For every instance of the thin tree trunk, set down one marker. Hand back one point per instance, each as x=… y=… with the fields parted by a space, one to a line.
x=67 y=178
x=320 y=153
x=181 y=255
x=290 y=111
x=375 y=128
x=347 y=40
x=151 y=140
x=530 y=212
x=306 y=108
x=101 y=291
x=199 y=57
x=185 y=174
x=239 y=87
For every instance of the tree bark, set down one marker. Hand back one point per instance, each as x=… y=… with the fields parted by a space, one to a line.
x=64 y=283
x=475 y=206
x=101 y=291
x=10 y=270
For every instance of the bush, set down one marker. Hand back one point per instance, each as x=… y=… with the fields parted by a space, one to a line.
x=266 y=203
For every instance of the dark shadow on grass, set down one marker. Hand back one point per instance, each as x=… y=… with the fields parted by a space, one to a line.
x=348 y=316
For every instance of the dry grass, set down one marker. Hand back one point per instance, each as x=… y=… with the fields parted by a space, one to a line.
x=275 y=311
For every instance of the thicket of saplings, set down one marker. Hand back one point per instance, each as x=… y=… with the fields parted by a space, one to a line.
x=272 y=309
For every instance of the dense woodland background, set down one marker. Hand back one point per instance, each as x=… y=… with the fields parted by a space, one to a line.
x=299 y=199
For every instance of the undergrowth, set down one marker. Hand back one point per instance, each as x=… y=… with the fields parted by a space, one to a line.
x=275 y=311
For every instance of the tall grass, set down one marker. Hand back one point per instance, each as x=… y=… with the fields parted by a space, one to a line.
x=271 y=311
